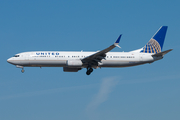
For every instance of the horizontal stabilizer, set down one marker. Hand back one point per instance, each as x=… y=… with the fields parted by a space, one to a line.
x=162 y=53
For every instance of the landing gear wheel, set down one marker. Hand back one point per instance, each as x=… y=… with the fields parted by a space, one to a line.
x=22 y=70
x=89 y=71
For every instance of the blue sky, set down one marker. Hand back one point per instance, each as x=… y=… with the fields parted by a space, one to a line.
x=148 y=91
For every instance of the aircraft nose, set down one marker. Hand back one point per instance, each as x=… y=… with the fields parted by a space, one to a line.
x=9 y=60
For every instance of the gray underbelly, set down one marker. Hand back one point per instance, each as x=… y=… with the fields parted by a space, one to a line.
x=44 y=63
x=119 y=63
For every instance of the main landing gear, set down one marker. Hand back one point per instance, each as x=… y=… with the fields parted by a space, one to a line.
x=89 y=70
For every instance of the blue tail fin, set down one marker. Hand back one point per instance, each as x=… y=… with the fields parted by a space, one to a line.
x=155 y=44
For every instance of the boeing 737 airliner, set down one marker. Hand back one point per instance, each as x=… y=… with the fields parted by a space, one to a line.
x=75 y=61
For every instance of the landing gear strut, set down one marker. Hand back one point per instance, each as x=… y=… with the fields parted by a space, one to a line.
x=89 y=70
x=18 y=66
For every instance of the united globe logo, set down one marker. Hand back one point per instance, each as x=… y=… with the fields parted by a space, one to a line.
x=152 y=47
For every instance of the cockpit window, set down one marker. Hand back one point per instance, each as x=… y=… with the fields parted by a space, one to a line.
x=16 y=55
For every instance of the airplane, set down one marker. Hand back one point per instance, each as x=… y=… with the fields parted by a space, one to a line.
x=75 y=61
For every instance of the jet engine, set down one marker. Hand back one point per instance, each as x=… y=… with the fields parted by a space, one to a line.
x=74 y=63
x=68 y=69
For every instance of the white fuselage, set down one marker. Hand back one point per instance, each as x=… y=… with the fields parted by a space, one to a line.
x=60 y=59
x=75 y=61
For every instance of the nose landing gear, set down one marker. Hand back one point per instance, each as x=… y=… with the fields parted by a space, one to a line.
x=22 y=70
x=18 y=66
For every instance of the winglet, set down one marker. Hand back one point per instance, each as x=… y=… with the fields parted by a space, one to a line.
x=117 y=41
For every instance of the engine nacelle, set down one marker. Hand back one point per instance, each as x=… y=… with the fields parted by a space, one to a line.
x=67 y=69
x=74 y=63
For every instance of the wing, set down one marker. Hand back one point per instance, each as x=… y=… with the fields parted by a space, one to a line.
x=93 y=59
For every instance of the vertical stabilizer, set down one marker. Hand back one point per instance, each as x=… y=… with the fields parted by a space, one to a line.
x=155 y=44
